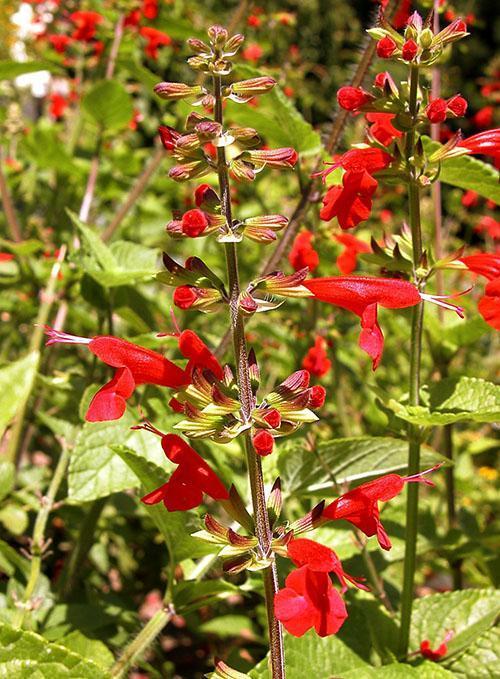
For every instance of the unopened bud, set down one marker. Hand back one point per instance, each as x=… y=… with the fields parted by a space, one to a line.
x=253 y=86
x=426 y=38
x=263 y=442
x=218 y=35
x=199 y=46
x=233 y=44
x=206 y=197
x=317 y=395
x=177 y=90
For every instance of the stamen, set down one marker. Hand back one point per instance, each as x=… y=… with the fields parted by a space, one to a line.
x=147 y=426
x=324 y=173
x=56 y=336
x=438 y=300
x=417 y=478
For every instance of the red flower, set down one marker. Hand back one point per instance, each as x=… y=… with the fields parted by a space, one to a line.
x=302 y=253
x=263 y=442
x=168 y=136
x=316 y=360
x=351 y=203
x=382 y=129
x=192 y=478
x=85 y=25
x=185 y=296
x=386 y=47
x=254 y=21
x=309 y=600
x=58 y=104
x=60 y=42
x=321 y=559
x=133 y=18
x=457 y=105
x=347 y=260
x=6 y=256
x=436 y=110
x=353 y=98
x=470 y=199
x=150 y=9
x=360 y=506
x=253 y=52
x=483 y=118
x=198 y=354
x=361 y=295
x=439 y=652
x=489 y=305
x=194 y=223
x=317 y=395
x=484 y=264
x=409 y=50
x=155 y=39
x=489 y=225
x=485 y=143
x=402 y=14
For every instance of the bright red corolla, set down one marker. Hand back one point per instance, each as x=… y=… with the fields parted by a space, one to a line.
x=155 y=39
x=309 y=600
x=348 y=258
x=302 y=253
x=386 y=47
x=360 y=506
x=85 y=25
x=136 y=365
x=489 y=305
x=316 y=360
x=437 y=653
x=353 y=98
x=485 y=143
x=192 y=478
x=361 y=295
x=382 y=128
x=483 y=263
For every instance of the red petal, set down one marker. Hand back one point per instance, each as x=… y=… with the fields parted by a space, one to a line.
x=109 y=403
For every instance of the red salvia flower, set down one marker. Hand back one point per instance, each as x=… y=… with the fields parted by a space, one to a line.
x=484 y=264
x=85 y=25
x=263 y=442
x=382 y=129
x=347 y=260
x=302 y=253
x=485 y=143
x=483 y=118
x=253 y=52
x=470 y=199
x=409 y=50
x=360 y=506
x=457 y=105
x=150 y=9
x=60 y=42
x=185 y=296
x=489 y=305
x=437 y=653
x=351 y=203
x=198 y=354
x=58 y=105
x=309 y=600
x=194 y=222
x=489 y=225
x=317 y=395
x=436 y=110
x=353 y=98
x=386 y=47
x=192 y=478
x=154 y=39
x=316 y=557
x=316 y=360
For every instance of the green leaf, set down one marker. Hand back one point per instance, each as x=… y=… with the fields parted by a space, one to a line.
x=26 y=655
x=276 y=119
x=16 y=381
x=346 y=459
x=425 y=670
x=190 y=595
x=468 y=614
x=467 y=172
x=174 y=526
x=454 y=399
x=481 y=659
x=313 y=656
x=7 y=478
x=91 y=649
x=95 y=470
x=227 y=626
x=11 y=69
x=109 y=104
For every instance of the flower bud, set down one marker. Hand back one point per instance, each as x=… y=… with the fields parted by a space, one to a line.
x=386 y=47
x=205 y=196
x=185 y=296
x=233 y=44
x=409 y=50
x=263 y=442
x=273 y=418
x=253 y=86
x=317 y=395
x=436 y=110
x=199 y=46
x=177 y=90
x=194 y=223
x=218 y=35
x=426 y=38
x=168 y=136
x=353 y=98
x=457 y=105
x=284 y=157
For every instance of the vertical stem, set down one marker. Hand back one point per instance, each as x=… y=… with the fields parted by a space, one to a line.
x=414 y=387
x=262 y=527
x=8 y=206
x=38 y=543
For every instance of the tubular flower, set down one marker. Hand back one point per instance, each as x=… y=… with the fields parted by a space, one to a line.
x=484 y=264
x=263 y=442
x=60 y=42
x=437 y=653
x=489 y=305
x=353 y=98
x=316 y=361
x=489 y=225
x=85 y=25
x=302 y=253
x=360 y=506
x=309 y=600
x=409 y=50
x=192 y=478
x=321 y=559
x=362 y=294
x=485 y=143
x=382 y=129
x=348 y=258
x=154 y=39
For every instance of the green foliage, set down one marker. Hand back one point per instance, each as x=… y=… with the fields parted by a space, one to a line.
x=16 y=381
x=481 y=658
x=12 y=69
x=109 y=105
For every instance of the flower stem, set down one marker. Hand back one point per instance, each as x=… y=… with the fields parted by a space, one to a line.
x=414 y=387
x=261 y=518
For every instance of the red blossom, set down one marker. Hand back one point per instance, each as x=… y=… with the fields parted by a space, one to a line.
x=353 y=98
x=317 y=396
x=351 y=203
x=302 y=253
x=360 y=505
x=193 y=477
x=185 y=296
x=6 y=256
x=470 y=199
x=483 y=118
x=382 y=129
x=309 y=600
x=485 y=143
x=489 y=225
x=489 y=305
x=263 y=442
x=316 y=360
x=58 y=105
x=437 y=653
x=361 y=295
x=198 y=354
x=253 y=52
x=194 y=223
x=386 y=47
x=409 y=50
x=168 y=136
x=483 y=263
x=150 y=9
x=85 y=25
x=436 y=110
x=154 y=39
x=60 y=42
x=457 y=105
x=348 y=258
x=321 y=559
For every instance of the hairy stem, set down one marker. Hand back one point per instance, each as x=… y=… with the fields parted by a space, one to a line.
x=414 y=387
x=262 y=527
x=38 y=542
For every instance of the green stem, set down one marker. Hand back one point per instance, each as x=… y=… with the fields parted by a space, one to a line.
x=38 y=542
x=142 y=641
x=414 y=390
x=261 y=517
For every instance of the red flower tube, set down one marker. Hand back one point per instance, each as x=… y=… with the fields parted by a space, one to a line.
x=489 y=305
x=303 y=253
x=348 y=258
x=484 y=264
x=485 y=143
x=316 y=360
